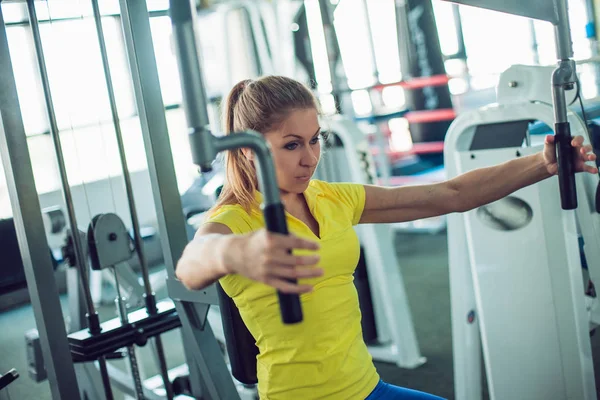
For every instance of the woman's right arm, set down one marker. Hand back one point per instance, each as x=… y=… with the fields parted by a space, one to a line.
x=262 y=256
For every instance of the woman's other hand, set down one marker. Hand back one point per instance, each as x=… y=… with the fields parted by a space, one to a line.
x=583 y=153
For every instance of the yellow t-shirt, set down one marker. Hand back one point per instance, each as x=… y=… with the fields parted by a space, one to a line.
x=324 y=356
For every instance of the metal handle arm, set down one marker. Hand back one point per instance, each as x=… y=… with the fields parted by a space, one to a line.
x=205 y=146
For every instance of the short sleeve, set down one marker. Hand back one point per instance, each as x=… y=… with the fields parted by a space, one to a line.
x=351 y=195
x=238 y=220
x=234 y=217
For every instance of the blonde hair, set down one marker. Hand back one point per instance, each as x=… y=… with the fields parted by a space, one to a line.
x=261 y=105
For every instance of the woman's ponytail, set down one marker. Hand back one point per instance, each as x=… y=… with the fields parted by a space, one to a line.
x=232 y=100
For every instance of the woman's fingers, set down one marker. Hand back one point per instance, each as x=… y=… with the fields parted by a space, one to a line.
x=587 y=153
x=283 y=258
x=577 y=141
x=296 y=272
x=278 y=267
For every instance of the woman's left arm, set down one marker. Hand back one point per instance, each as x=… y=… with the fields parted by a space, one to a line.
x=470 y=190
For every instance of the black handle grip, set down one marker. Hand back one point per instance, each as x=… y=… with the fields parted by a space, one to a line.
x=8 y=378
x=291 y=309
x=566 y=166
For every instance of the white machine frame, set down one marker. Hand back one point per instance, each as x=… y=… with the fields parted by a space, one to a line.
x=518 y=295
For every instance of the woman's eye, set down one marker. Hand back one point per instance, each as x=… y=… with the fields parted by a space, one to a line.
x=291 y=146
x=315 y=140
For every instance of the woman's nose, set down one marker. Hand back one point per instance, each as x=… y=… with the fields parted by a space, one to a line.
x=309 y=158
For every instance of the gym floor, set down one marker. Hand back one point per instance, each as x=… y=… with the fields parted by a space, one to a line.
x=424 y=265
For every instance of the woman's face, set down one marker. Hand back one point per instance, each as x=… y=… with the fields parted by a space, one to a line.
x=296 y=150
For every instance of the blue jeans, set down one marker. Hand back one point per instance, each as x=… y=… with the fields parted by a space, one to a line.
x=385 y=391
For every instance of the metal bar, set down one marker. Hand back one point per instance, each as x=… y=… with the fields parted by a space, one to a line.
x=194 y=95
x=151 y=110
x=121 y=147
x=79 y=254
x=534 y=43
x=372 y=54
x=195 y=105
x=460 y=37
x=333 y=50
x=81 y=261
x=596 y=15
x=205 y=146
x=403 y=32
x=137 y=237
x=562 y=31
x=251 y=36
x=536 y=9
x=29 y=224
x=140 y=50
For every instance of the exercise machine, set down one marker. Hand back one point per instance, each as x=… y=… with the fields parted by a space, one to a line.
x=518 y=292
x=76 y=363
x=550 y=326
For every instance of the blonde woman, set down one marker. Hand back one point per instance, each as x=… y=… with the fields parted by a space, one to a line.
x=324 y=356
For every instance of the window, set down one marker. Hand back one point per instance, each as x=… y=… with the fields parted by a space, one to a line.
x=79 y=94
x=382 y=20
x=27 y=79
x=165 y=60
x=494 y=41
x=446 y=26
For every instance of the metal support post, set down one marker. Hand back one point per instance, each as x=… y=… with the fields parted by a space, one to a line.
x=93 y=319
x=149 y=295
x=205 y=146
x=31 y=233
x=208 y=373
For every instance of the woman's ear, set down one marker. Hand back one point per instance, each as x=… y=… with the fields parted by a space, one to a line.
x=248 y=153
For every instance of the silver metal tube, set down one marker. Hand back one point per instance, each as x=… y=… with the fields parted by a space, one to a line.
x=144 y=73
x=194 y=98
x=137 y=237
x=80 y=258
x=562 y=31
x=563 y=78
x=29 y=225
x=78 y=246
x=266 y=173
x=203 y=144
x=209 y=374
x=331 y=47
x=369 y=36
x=121 y=147
x=403 y=35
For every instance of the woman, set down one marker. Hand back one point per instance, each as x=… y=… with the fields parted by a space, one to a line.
x=324 y=356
